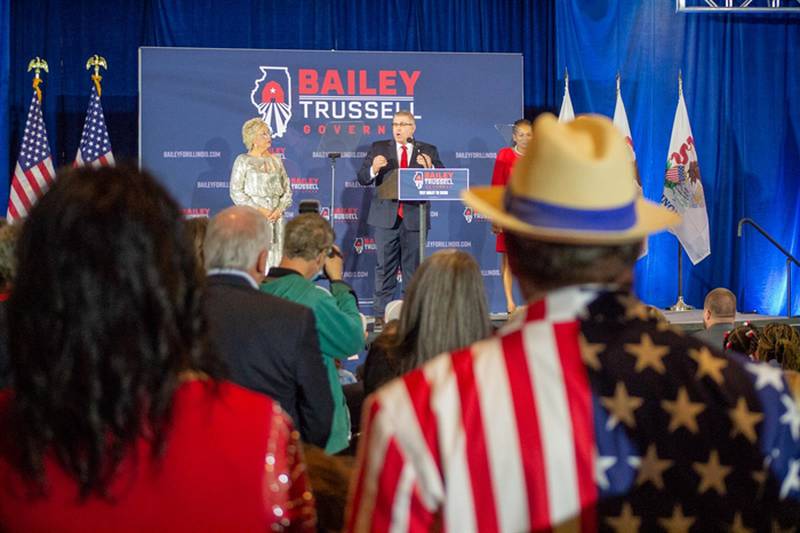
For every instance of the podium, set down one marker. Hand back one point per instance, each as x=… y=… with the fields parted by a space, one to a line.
x=424 y=185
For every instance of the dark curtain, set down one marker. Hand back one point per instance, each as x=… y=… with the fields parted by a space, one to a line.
x=740 y=82
x=5 y=59
x=67 y=33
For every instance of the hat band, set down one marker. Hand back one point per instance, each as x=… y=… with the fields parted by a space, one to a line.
x=542 y=214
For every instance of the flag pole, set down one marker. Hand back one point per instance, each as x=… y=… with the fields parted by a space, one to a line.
x=37 y=64
x=680 y=305
x=96 y=62
x=95 y=146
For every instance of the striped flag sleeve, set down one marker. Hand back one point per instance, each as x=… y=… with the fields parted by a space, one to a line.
x=385 y=492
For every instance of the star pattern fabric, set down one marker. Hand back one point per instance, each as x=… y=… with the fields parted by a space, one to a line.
x=686 y=438
x=586 y=416
x=95 y=146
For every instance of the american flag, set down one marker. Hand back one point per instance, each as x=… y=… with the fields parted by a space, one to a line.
x=95 y=146
x=34 y=171
x=675 y=174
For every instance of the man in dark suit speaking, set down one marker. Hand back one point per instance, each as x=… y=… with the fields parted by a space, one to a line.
x=397 y=224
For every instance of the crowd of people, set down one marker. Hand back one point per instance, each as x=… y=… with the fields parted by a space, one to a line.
x=164 y=374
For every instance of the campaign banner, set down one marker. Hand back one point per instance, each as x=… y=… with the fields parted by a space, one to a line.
x=193 y=102
x=435 y=184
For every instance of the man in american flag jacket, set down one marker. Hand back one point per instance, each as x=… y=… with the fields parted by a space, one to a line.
x=586 y=415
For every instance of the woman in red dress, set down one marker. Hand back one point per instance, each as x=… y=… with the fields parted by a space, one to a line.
x=118 y=418
x=520 y=136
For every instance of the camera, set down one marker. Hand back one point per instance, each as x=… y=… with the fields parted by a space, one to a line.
x=308 y=206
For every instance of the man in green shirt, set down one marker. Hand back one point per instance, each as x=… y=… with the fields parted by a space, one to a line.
x=308 y=248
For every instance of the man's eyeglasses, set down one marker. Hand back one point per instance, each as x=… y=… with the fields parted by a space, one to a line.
x=400 y=124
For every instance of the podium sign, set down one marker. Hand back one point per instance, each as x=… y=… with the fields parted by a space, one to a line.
x=434 y=184
x=431 y=184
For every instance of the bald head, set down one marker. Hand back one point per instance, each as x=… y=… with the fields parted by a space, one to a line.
x=235 y=239
x=719 y=306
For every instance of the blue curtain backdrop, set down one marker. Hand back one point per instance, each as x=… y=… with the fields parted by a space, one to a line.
x=740 y=82
x=67 y=33
x=5 y=57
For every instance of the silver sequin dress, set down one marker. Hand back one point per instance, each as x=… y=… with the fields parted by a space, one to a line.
x=263 y=182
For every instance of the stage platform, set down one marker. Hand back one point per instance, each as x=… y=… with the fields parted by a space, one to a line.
x=692 y=320
x=689 y=321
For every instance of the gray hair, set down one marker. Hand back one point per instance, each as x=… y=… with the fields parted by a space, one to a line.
x=444 y=309
x=235 y=237
x=550 y=265
x=405 y=113
x=306 y=236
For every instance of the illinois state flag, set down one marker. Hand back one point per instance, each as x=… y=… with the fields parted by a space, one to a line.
x=683 y=188
x=566 y=114
x=621 y=123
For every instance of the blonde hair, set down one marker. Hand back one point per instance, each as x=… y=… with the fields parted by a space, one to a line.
x=250 y=129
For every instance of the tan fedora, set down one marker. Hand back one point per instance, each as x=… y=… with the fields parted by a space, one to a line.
x=575 y=184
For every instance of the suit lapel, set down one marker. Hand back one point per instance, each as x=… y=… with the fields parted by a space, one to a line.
x=412 y=157
x=391 y=155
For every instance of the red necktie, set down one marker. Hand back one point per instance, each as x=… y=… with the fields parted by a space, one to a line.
x=403 y=164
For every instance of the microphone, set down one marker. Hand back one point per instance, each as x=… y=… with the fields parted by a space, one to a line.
x=413 y=142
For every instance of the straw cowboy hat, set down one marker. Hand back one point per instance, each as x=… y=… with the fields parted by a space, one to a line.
x=575 y=184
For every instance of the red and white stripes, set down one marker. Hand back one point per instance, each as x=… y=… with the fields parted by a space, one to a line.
x=28 y=186
x=495 y=437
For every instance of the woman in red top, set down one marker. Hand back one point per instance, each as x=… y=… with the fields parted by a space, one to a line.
x=520 y=136
x=118 y=419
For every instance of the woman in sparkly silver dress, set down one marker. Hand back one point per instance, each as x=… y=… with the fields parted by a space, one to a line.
x=259 y=180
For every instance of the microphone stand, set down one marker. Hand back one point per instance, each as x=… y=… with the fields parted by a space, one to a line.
x=333 y=156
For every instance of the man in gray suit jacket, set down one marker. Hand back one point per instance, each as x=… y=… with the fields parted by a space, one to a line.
x=397 y=224
x=719 y=315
